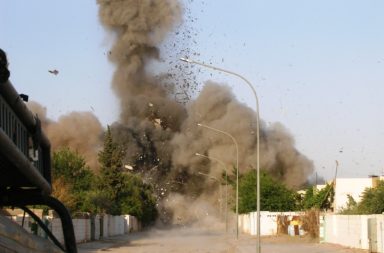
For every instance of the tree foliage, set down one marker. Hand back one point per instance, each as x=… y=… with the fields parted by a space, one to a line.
x=351 y=207
x=322 y=199
x=112 y=179
x=72 y=178
x=111 y=191
x=274 y=195
x=123 y=192
x=138 y=199
x=62 y=191
x=372 y=200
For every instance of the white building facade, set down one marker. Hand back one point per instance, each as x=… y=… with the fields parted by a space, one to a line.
x=353 y=187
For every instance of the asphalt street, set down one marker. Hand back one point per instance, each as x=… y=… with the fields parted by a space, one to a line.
x=185 y=240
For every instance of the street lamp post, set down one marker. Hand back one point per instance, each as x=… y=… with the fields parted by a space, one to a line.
x=237 y=171
x=226 y=186
x=257 y=136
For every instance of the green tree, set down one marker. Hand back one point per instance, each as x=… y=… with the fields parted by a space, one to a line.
x=62 y=191
x=351 y=207
x=138 y=199
x=112 y=179
x=274 y=195
x=72 y=178
x=122 y=192
x=309 y=198
x=372 y=200
x=322 y=199
x=97 y=201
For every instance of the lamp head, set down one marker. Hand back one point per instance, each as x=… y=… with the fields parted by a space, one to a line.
x=185 y=59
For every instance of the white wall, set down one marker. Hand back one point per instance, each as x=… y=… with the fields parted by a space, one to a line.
x=268 y=222
x=82 y=229
x=115 y=225
x=57 y=230
x=347 y=230
x=97 y=227
x=112 y=226
x=350 y=186
x=105 y=225
x=131 y=224
x=352 y=230
x=380 y=233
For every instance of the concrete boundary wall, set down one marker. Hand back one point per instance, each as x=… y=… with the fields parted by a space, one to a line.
x=268 y=222
x=131 y=224
x=104 y=226
x=355 y=231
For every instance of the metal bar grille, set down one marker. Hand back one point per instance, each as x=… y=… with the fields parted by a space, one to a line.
x=17 y=132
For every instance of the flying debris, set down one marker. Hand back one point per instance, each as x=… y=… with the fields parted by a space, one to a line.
x=128 y=167
x=157 y=122
x=54 y=72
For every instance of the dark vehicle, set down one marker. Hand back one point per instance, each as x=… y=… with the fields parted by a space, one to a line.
x=25 y=169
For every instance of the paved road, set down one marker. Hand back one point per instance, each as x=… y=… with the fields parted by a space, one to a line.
x=203 y=241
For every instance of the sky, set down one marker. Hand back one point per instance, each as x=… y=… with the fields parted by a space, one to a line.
x=317 y=66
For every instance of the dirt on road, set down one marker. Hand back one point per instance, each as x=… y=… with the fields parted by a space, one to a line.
x=204 y=241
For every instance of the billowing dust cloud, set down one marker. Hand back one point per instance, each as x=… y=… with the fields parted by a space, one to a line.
x=161 y=136
x=140 y=26
x=216 y=107
x=80 y=131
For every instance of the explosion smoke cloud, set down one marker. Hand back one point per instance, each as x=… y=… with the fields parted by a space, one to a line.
x=160 y=136
x=140 y=26
x=157 y=132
